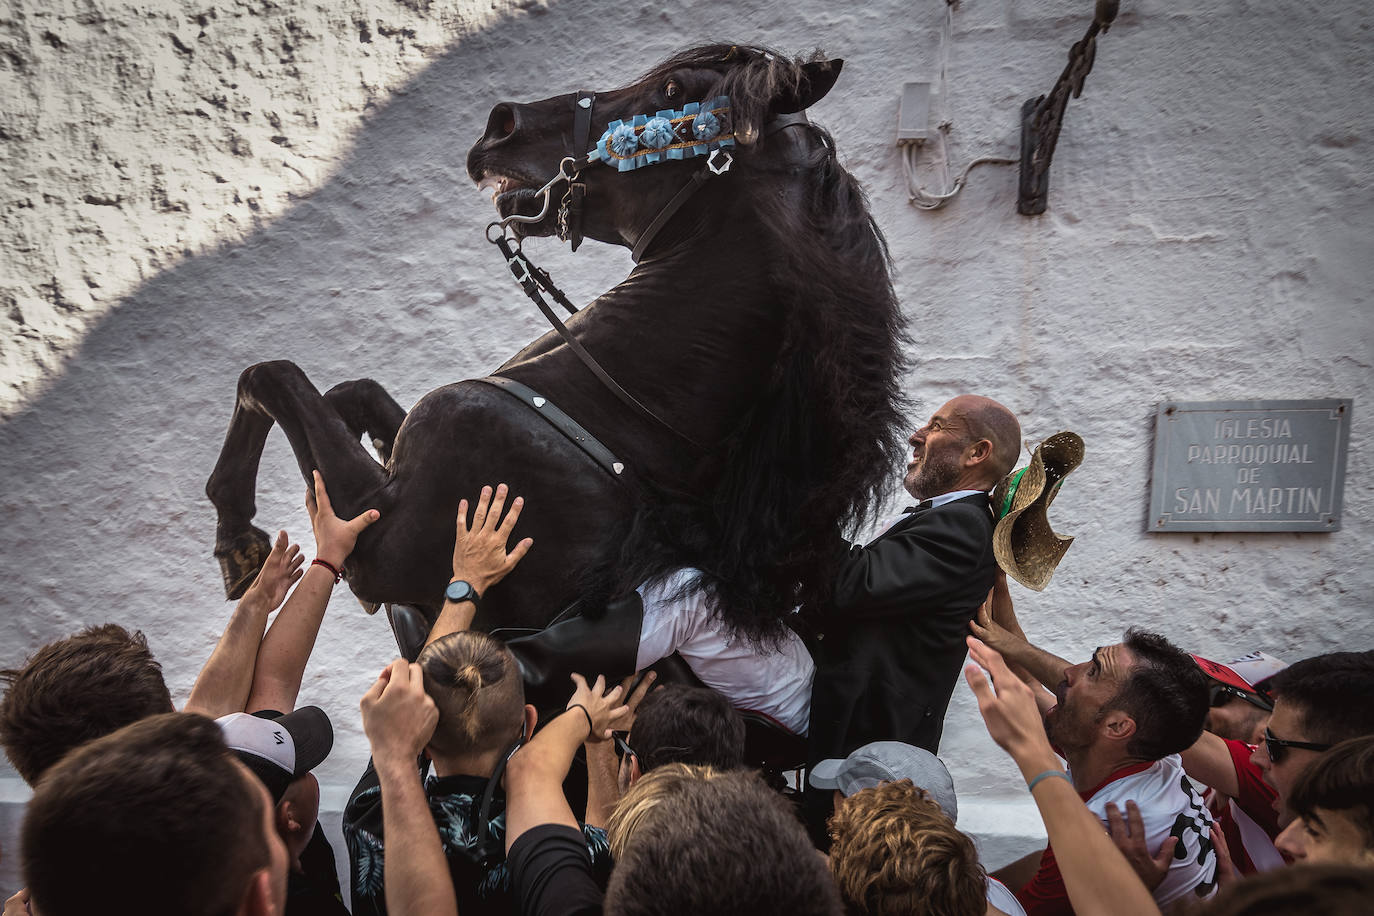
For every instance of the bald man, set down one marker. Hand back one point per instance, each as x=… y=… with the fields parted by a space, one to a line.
x=890 y=643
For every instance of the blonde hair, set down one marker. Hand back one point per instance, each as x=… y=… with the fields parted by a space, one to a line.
x=475 y=681
x=645 y=795
x=893 y=851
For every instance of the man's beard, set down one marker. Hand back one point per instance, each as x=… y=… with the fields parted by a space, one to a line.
x=938 y=473
x=1064 y=727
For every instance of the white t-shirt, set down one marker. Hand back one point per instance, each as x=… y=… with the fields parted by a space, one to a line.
x=777 y=684
x=1003 y=899
x=1169 y=806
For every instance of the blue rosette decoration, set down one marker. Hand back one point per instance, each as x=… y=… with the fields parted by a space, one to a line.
x=657 y=133
x=623 y=141
x=705 y=126
x=695 y=130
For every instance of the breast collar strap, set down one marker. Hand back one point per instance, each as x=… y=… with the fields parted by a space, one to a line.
x=535 y=282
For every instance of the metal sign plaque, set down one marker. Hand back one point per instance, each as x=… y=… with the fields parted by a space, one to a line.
x=1249 y=465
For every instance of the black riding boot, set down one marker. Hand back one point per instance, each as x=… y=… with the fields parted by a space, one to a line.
x=606 y=644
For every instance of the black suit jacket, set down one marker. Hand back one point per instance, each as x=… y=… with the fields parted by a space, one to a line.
x=890 y=645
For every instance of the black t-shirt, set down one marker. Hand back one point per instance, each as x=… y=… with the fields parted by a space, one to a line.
x=305 y=898
x=551 y=873
x=314 y=890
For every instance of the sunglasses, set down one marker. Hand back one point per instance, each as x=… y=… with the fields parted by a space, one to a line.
x=1221 y=694
x=622 y=750
x=1278 y=748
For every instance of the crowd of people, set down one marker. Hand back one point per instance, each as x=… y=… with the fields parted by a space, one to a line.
x=1167 y=783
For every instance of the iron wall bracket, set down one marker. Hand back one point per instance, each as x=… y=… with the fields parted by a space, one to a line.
x=1042 y=117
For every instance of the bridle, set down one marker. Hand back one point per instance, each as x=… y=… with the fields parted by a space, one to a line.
x=536 y=282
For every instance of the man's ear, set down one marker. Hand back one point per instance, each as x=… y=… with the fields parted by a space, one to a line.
x=531 y=720
x=978 y=452
x=635 y=771
x=257 y=901
x=1118 y=726
x=285 y=819
x=817 y=79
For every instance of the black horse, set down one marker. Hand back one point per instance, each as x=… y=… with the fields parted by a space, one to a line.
x=759 y=327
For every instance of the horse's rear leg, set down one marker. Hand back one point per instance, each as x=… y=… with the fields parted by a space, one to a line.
x=320 y=438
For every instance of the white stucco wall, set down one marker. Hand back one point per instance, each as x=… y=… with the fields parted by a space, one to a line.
x=185 y=194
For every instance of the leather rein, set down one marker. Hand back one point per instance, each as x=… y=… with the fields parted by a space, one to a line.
x=536 y=282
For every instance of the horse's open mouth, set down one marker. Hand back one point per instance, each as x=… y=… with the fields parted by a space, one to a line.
x=512 y=196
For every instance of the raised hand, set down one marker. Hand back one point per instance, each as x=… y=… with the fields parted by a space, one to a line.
x=334 y=537
x=479 y=551
x=279 y=572
x=18 y=905
x=398 y=716
x=634 y=695
x=1010 y=713
x=995 y=624
x=603 y=706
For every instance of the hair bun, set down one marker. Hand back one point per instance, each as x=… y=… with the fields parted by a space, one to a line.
x=469 y=676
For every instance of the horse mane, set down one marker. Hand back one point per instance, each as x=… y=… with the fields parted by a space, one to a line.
x=810 y=461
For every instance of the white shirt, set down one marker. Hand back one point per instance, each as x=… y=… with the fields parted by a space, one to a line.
x=935 y=503
x=1169 y=806
x=1003 y=899
x=777 y=684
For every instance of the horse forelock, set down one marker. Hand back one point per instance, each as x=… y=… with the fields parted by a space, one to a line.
x=752 y=76
x=814 y=456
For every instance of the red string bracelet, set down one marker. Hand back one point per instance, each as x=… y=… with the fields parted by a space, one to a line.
x=338 y=573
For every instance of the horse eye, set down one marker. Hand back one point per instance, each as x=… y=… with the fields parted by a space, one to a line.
x=672 y=89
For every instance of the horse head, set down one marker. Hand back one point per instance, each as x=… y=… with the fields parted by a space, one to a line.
x=598 y=146
x=765 y=287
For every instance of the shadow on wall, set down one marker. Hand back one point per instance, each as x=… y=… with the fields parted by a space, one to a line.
x=381 y=272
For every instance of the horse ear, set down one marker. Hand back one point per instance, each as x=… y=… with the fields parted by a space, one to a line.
x=817 y=79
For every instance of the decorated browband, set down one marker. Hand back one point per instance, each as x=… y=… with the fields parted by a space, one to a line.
x=697 y=129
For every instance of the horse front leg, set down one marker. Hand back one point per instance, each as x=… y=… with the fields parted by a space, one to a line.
x=368 y=410
x=320 y=439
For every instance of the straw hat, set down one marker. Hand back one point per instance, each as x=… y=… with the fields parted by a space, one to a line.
x=1025 y=545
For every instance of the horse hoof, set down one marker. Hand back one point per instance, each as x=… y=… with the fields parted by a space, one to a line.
x=241 y=559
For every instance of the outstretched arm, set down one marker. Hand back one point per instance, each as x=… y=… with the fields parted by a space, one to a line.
x=1209 y=762
x=997 y=627
x=224 y=684
x=1096 y=875
x=603 y=768
x=479 y=555
x=288 y=644
x=534 y=776
x=399 y=718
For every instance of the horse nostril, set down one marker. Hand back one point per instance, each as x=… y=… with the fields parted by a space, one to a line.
x=501 y=124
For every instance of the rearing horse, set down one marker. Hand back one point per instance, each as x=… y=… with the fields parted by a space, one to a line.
x=759 y=329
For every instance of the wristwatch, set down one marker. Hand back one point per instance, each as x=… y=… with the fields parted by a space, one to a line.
x=459 y=591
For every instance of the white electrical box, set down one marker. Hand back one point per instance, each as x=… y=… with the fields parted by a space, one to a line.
x=913 y=117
